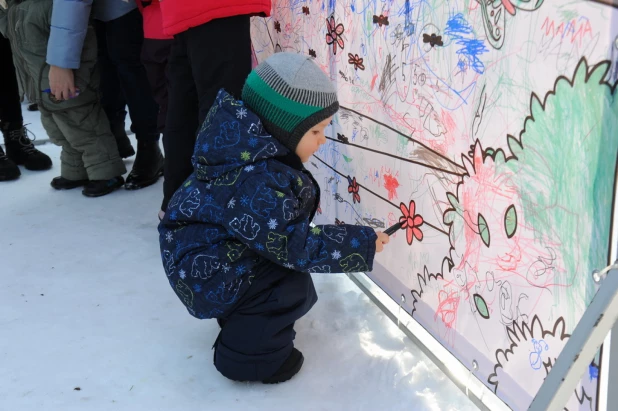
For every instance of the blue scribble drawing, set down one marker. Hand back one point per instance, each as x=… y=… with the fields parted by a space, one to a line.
x=471 y=48
x=536 y=361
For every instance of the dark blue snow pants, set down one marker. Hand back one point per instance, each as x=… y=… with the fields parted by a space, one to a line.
x=257 y=335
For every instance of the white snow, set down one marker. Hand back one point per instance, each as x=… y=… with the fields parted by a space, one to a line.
x=84 y=303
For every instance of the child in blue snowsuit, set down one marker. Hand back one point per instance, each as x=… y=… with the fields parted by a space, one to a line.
x=236 y=241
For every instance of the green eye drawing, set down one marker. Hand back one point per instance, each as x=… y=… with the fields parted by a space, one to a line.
x=483 y=229
x=510 y=221
x=481 y=306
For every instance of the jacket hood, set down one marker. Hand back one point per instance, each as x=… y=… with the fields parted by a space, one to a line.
x=232 y=137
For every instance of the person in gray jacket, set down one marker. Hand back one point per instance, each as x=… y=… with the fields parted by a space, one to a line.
x=119 y=30
x=66 y=90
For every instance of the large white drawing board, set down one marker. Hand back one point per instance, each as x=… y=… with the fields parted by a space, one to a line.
x=491 y=129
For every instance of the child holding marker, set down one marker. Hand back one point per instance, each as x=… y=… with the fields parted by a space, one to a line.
x=236 y=239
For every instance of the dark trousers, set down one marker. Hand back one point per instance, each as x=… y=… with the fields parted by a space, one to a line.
x=123 y=77
x=258 y=334
x=203 y=60
x=10 y=106
x=155 y=54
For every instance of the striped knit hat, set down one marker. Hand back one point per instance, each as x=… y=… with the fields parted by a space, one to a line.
x=290 y=94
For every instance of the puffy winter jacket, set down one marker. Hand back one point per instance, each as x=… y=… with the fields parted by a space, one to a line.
x=180 y=15
x=70 y=19
x=249 y=201
x=153 y=19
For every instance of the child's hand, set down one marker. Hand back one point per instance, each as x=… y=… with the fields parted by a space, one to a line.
x=61 y=83
x=382 y=239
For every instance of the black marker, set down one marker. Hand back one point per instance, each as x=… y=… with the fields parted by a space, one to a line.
x=393 y=229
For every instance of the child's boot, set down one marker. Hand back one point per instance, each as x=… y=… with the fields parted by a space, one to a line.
x=148 y=166
x=98 y=188
x=8 y=169
x=20 y=149
x=61 y=183
x=290 y=368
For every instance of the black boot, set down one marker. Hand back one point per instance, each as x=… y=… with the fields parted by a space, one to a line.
x=290 y=368
x=33 y=107
x=125 y=149
x=148 y=166
x=61 y=183
x=98 y=188
x=20 y=149
x=8 y=169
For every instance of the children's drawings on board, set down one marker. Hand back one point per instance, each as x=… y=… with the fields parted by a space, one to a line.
x=488 y=130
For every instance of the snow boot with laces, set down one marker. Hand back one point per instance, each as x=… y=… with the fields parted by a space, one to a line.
x=8 y=169
x=21 y=151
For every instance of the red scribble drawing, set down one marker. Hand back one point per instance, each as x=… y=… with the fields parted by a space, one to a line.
x=575 y=30
x=391 y=184
x=447 y=307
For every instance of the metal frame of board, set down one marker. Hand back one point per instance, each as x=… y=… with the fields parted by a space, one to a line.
x=590 y=332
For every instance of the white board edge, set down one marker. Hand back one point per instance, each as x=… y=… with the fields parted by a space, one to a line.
x=461 y=375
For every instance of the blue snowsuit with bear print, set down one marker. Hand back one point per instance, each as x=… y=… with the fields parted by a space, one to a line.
x=237 y=244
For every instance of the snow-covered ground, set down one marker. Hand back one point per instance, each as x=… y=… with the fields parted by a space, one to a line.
x=88 y=321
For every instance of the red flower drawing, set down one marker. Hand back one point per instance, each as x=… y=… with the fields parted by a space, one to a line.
x=411 y=222
x=353 y=188
x=334 y=34
x=319 y=210
x=356 y=61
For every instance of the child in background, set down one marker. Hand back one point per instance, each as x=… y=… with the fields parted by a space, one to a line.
x=73 y=120
x=155 y=52
x=236 y=240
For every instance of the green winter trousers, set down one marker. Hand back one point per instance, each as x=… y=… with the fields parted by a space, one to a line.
x=79 y=125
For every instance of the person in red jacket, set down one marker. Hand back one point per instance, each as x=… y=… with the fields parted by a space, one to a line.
x=211 y=50
x=155 y=53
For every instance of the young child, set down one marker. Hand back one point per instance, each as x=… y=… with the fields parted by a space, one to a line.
x=236 y=241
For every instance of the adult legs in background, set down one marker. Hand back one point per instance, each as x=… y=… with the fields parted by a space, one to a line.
x=112 y=96
x=181 y=122
x=256 y=342
x=19 y=148
x=203 y=60
x=124 y=38
x=155 y=54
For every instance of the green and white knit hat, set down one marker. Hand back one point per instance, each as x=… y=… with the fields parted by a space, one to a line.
x=290 y=94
